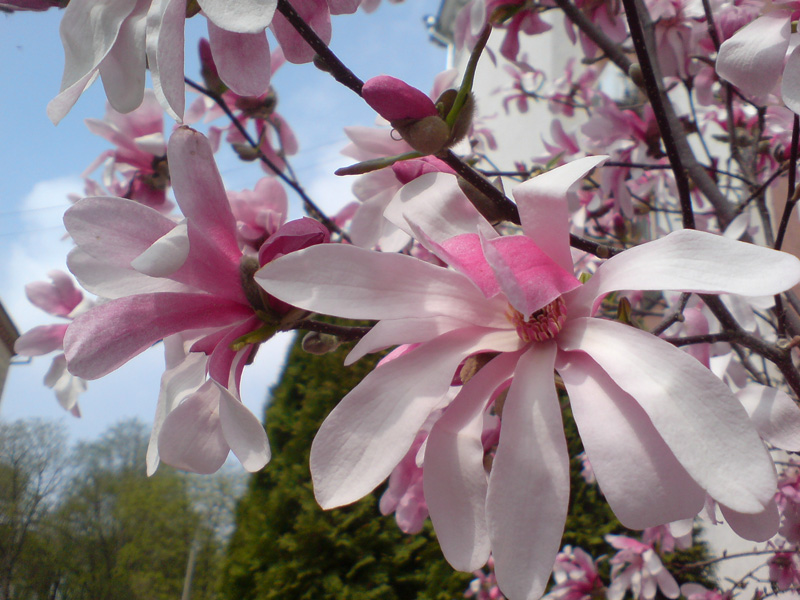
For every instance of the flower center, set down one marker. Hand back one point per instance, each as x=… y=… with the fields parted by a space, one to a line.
x=542 y=325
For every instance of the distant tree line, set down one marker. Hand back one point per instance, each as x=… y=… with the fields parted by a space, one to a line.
x=87 y=524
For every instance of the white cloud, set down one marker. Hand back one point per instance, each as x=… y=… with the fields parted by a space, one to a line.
x=35 y=245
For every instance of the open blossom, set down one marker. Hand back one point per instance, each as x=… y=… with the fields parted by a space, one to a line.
x=276 y=138
x=660 y=430
x=137 y=167
x=784 y=569
x=637 y=567
x=576 y=577
x=58 y=297
x=191 y=278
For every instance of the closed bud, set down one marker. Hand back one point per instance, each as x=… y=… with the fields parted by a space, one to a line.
x=245 y=152
x=636 y=75
x=318 y=343
x=427 y=136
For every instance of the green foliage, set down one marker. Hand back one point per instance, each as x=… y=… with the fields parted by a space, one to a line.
x=129 y=535
x=285 y=546
x=95 y=527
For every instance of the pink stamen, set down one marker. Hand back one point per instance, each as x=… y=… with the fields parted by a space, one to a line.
x=542 y=325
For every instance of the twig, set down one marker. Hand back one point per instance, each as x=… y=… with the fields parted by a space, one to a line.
x=652 y=86
x=343 y=332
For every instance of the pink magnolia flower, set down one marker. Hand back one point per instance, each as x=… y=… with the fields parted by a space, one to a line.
x=276 y=137
x=637 y=567
x=164 y=278
x=259 y=213
x=660 y=430
x=137 y=168
x=60 y=298
x=484 y=586
x=576 y=577
x=476 y=14
x=118 y=40
x=784 y=569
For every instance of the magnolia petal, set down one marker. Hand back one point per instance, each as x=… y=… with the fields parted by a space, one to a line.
x=368 y=227
x=393 y=332
x=454 y=478
x=527 y=275
x=112 y=333
x=191 y=437
x=177 y=383
x=40 y=340
x=242 y=59
x=436 y=205
x=58 y=297
x=350 y=282
x=693 y=261
x=317 y=15
x=372 y=428
x=57 y=369
x=369 y=142
x=465 y=253
x=243 y=431
x=221 y=363
x=165 y=43
x=758 y=527
x=200 y=192
x=66 y=387
x=774 y=414
x=638 y=474
x=790 y=86
x=705 y=427
x=526 y=505
x=113 y=230
x=112 y=282
x=543 y=209
x=87 y=35
x=123 y=68
x=344 y=7
x=752 y=59
x=166 y=255
x=245 y=16
x=59 y=106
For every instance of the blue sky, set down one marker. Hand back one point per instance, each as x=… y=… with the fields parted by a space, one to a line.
x=41 y=164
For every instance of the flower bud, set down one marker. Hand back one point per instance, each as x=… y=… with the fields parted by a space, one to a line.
x=427 y=136
x=245 y=152
x=444 y=103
